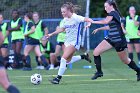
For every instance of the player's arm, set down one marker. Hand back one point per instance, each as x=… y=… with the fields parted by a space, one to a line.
x=104 y=21
x=1 y=38
x=16 y=28
x=100 y=29
x=123 y=28
x=31 y=26
x=136 y=22
x=58 y=30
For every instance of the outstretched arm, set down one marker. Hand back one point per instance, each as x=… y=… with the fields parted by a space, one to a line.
x=101 y=28
x=104 y=21
x=58 y=30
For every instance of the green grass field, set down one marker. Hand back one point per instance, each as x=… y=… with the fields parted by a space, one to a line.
x=118 y=78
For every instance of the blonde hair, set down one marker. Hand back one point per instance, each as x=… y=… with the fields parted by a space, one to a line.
x=71 y=7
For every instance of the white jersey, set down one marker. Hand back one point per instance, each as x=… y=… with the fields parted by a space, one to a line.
x=72 y=28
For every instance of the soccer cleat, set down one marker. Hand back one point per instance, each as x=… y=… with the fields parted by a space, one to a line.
x=55 y=81
x=87 y=58
x=97 y=75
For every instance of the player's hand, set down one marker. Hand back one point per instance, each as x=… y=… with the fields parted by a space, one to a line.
x=124 y=31
x=94 y=31
x=88 y=25
x=49 y=35
x=138 y=33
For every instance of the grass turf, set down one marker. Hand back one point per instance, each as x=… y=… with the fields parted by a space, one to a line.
x=118 y=78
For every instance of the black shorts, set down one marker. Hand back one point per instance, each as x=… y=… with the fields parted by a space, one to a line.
x=133 y=41
x=32 y=41
x=4 y=46
x=60 y=43
x=119 y=46
x=17 y=40
x=1 y=61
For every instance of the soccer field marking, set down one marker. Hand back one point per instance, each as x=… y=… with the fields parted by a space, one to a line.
x=72 y=75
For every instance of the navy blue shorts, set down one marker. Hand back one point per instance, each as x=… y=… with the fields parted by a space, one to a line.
x=119 y=46
x=17 y=40
x=32 y=41
x=60 y=43
x=134 y=41
x=4 y=46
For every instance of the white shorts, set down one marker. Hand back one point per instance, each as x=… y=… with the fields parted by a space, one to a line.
x=77 y=46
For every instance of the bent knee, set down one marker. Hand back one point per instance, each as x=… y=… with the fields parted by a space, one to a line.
x=96 y=53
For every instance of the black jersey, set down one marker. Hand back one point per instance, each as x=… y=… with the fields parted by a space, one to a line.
x=115 y=33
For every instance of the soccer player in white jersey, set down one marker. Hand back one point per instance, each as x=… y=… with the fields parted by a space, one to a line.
x=72 y=42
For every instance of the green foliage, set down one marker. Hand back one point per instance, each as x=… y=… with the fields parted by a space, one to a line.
x=97 y=7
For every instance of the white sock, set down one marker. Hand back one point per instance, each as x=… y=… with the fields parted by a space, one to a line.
x=52 y=66
x=62 y=67
x=74 y=59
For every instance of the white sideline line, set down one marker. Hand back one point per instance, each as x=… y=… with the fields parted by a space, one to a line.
x=55 y=75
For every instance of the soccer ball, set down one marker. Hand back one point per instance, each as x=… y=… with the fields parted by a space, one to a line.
x=36 y=79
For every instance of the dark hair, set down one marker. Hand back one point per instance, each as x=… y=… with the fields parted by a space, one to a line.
x=113 y=3
x=16 y=11
x=29 y=15
x=73 y=8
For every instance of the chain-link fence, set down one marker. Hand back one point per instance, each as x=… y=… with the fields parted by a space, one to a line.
x=46 y=8
x=49 y=10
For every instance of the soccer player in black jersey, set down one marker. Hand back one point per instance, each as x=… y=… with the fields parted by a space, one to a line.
x=115 y=39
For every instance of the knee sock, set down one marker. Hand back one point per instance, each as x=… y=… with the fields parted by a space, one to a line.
x=36 y=58
x=131 y=56
x=133 y=66
x=44 y=61
x=12 y=89
x=62 y=68
x=138 y=55
x=97 y=61
x=75 y=59
x=28 y=61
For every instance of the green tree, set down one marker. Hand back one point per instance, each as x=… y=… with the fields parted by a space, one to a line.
x=97 y=7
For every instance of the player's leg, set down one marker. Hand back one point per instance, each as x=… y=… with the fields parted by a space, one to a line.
x=18 y=52
x=102 y=47
x=53 y=56
x=42 y=57
x=66 y=57
x=130 y=50
x=4 y=82
x=27 y=50
x=4 y=52
x=124 y=58
x=80 y=57
x=137 y=48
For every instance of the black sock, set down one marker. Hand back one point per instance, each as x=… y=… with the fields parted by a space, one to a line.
x=44 y=61
x=82 y=56
x=12 y=89
x=138 y=55
x=97 y=61
x=131 y=56
x=59 y=77
x=17 y=59
x=133 y=66
x=28 y=61
x=36 y=58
